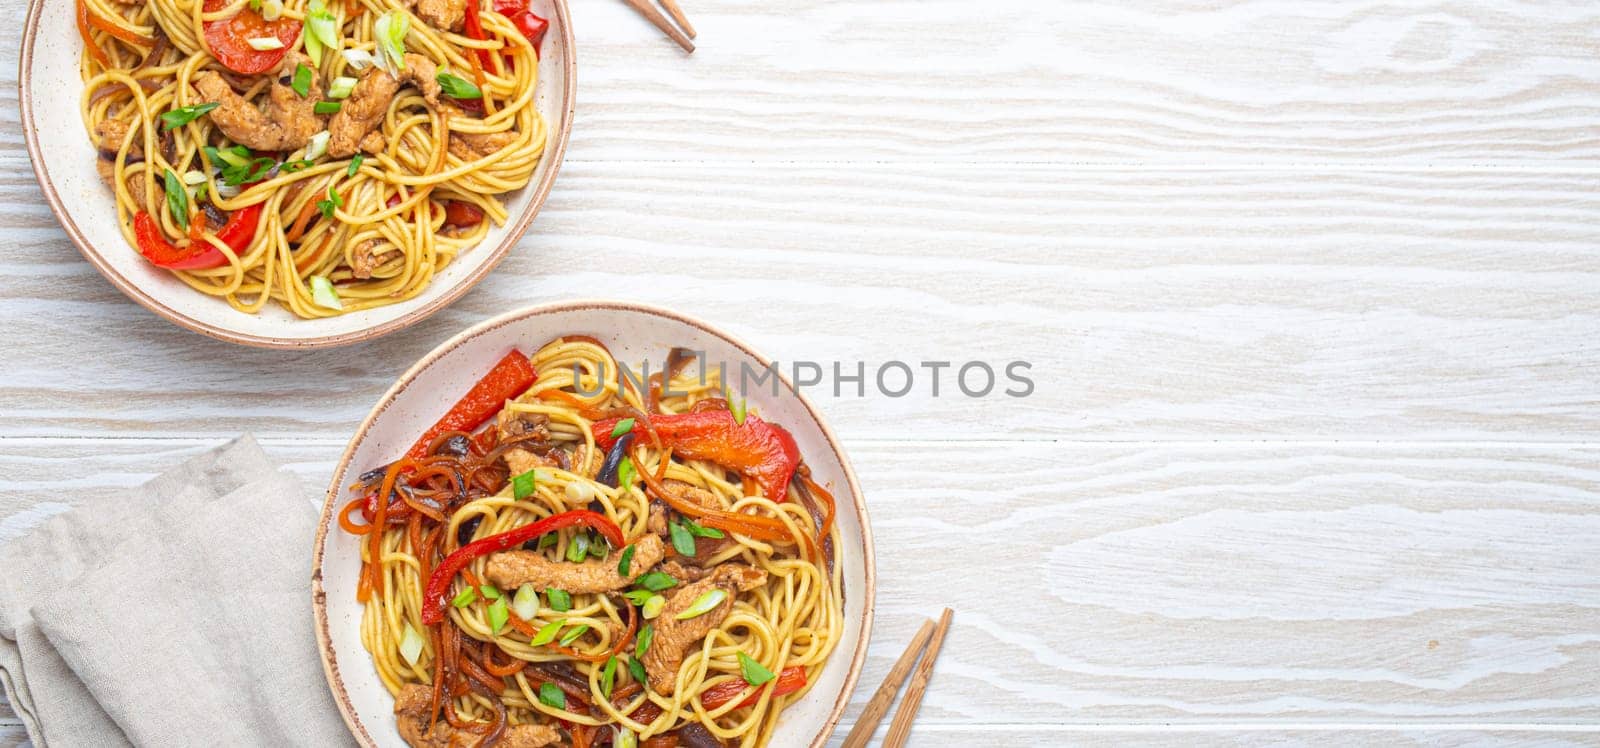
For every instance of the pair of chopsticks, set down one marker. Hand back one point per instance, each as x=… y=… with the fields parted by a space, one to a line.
x=682 y=35
x=900 y=727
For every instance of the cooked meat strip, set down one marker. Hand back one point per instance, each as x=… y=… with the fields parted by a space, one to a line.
x=661 y=515
x=288 y=122
x=108 y=174
x=673 y=637
x=682 y=570
x=109 y=134
x=471 y=146
x=366 y=258
x=533 y=428
x=512 y=569
x=354 y=125
x=443 y=14
x=411 y=714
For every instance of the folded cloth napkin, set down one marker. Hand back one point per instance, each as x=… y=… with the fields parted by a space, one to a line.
x=178 y=613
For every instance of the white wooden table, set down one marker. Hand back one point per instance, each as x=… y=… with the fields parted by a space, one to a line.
x=1311 y=290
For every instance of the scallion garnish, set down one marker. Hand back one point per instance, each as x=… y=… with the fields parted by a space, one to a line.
x=578 y=548
x=626 y=564
x=703 y=604
x=185 y=114
x=754 y=672
x=465 y=598
x=547 y=632
x=290 y=167
x=301 y=82
x=498 y=615
x=646 y=634
x=550 y=695
x=333 y=202
x=623 y=426
x=457 y=87
x=701 y=531
x=560 y=601
x=323 y=293
x=177 y=199
x=638 y=597
x=653 y=606
x=656 y=581
x=572 y=635
x=636 y=669
x=355 y=165
x=411 y=645
x=681 y=539
x=390 y=30
x=626 y=473
x=325 y=107
x=526 y=602
x=608 y=676
x=341 y=87
x=490 y=592
x=522 y=485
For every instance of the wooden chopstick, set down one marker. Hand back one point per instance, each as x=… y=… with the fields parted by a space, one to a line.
x=900 y=726
x=878 y=705
x=649 y=11
x=677 y=15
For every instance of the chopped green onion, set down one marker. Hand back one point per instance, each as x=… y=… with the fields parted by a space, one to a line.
x=526 y=602
x=638 y=597
x=547 y=540
x=467 y=596
x=342 y=86
x=579 y=492
x=290 y=167
x=359 y=59
x=185 y=114
x=323 y=25
x=271 y=10
x=636 y=669
x=264 y=43
x=626 y=564
x=177 y=199
x=255 y=5
x=754 y=672
x=301 y=83
x=737 y=408
x=317 y=145
x=498 y=615
x=623 y=426
x=325 y=107
x=490 y=592
x=411 y=645
x=646 y=635
x=194 y=178
x=572 y=635
x=390 y=30
x=522 y=485
x=236 y=156
x=701 y=531
x=608 y=676
x=626 y=473
x=332 y=203
x=622 y=737
x=550 y=695
x=323 y=293
x=457 y=87
x=681 y=539
x=653 y=606
x=560 y=601
x=703 y=604
x=578 y=548
x=656 y=581
x=547 y=632
x=355 y=164
x=599 y=547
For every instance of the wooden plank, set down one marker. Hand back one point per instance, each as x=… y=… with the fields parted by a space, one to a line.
x=1178 y=583
x=1151 y=304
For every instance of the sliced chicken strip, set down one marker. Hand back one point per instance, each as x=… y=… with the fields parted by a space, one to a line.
x=512 y=569
x=411 y=714
x=674 y=637
x=289 y=120
x=366 y=258
x=448 y=15
x=354 y=126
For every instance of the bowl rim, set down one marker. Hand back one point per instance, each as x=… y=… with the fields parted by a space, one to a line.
x=133 y=291
x=336 y=491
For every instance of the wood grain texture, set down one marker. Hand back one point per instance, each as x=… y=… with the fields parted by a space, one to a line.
x=1211 y=304
x=1175 y=584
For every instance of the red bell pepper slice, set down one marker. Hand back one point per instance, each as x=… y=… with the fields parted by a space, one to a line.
x=436 y=595
x=792 y=679
x=474 y=29
x=461 y=214
x=509 y=378
x=229 y=39
x=758 y=450
x=532 y=25
x=236 y=233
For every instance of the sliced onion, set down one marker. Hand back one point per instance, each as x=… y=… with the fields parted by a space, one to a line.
x=264 y=43
x=526 y=602
x=411 y=645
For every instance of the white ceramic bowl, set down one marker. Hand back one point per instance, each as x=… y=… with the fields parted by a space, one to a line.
x=633 y=333
x=64 y=161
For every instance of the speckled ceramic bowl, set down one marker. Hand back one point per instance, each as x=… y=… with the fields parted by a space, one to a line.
x=633 y=333
x=64 y=161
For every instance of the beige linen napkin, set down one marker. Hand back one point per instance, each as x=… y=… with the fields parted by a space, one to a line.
x=178 y=613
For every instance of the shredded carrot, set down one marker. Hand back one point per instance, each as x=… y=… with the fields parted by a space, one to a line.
x=95 y=51
x=117 y=31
